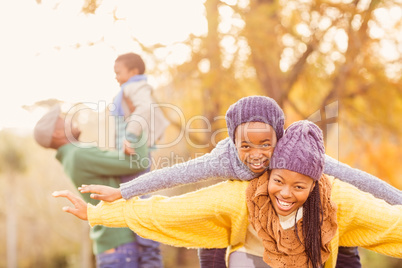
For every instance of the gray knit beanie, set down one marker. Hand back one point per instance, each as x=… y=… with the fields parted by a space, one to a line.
x=301 y=149
x=255 y=109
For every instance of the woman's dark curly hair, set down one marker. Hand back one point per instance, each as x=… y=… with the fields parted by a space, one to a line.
x=312 y=222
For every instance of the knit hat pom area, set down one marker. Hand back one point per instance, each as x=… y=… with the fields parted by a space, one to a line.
x=301 y=150
x=255 y=109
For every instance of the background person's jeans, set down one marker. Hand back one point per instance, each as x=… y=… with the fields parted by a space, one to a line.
x=348 y=257
x=149 y=253
x=240 y=259
x=212 y=257
x=143 y=253
x=124 y=256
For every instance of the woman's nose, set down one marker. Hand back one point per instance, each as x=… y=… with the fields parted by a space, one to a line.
x=285 y=192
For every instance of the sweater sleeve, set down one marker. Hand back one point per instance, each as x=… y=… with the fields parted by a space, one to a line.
x=362 y=180
x=111 y=163
x=366 y=221
x=201 y=219
x=221 y=162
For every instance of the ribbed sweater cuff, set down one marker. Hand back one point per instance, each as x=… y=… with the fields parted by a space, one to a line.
x=107 y=214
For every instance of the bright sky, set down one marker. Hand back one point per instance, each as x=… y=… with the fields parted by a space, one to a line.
x=39 y=58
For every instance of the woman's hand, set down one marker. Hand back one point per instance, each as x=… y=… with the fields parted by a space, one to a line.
x=80 y=207
x=101 y=192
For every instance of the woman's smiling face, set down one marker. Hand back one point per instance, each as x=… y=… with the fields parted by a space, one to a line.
x=288 y=190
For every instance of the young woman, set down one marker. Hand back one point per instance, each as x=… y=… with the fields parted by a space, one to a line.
x=238 y=158
x=294 y=217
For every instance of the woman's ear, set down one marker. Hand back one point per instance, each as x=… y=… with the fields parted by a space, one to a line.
x=313 y=185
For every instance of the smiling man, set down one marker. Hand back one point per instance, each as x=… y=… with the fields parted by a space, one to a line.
x=113 y=247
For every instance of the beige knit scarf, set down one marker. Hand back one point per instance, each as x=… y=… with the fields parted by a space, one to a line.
x=281 y=247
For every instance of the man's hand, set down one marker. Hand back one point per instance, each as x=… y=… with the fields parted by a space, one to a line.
x=80 y=207
x=101 y=192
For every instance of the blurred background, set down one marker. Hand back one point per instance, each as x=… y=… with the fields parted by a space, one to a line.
x=337 y=63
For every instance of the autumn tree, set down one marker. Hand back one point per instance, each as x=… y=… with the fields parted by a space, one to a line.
x=312 y=57
x=12 y=163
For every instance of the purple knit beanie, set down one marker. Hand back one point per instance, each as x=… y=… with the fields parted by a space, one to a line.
x=255 y=109
x=301 y=149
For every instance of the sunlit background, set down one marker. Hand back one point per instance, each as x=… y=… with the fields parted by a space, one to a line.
x=54 y=50
x=337 y=63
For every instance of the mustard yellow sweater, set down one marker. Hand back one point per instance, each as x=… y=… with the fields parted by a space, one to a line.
x=216 y=217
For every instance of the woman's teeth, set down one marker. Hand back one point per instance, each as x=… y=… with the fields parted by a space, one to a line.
x=284 y=204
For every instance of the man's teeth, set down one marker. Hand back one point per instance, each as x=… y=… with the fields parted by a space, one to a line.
x=284 y=204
